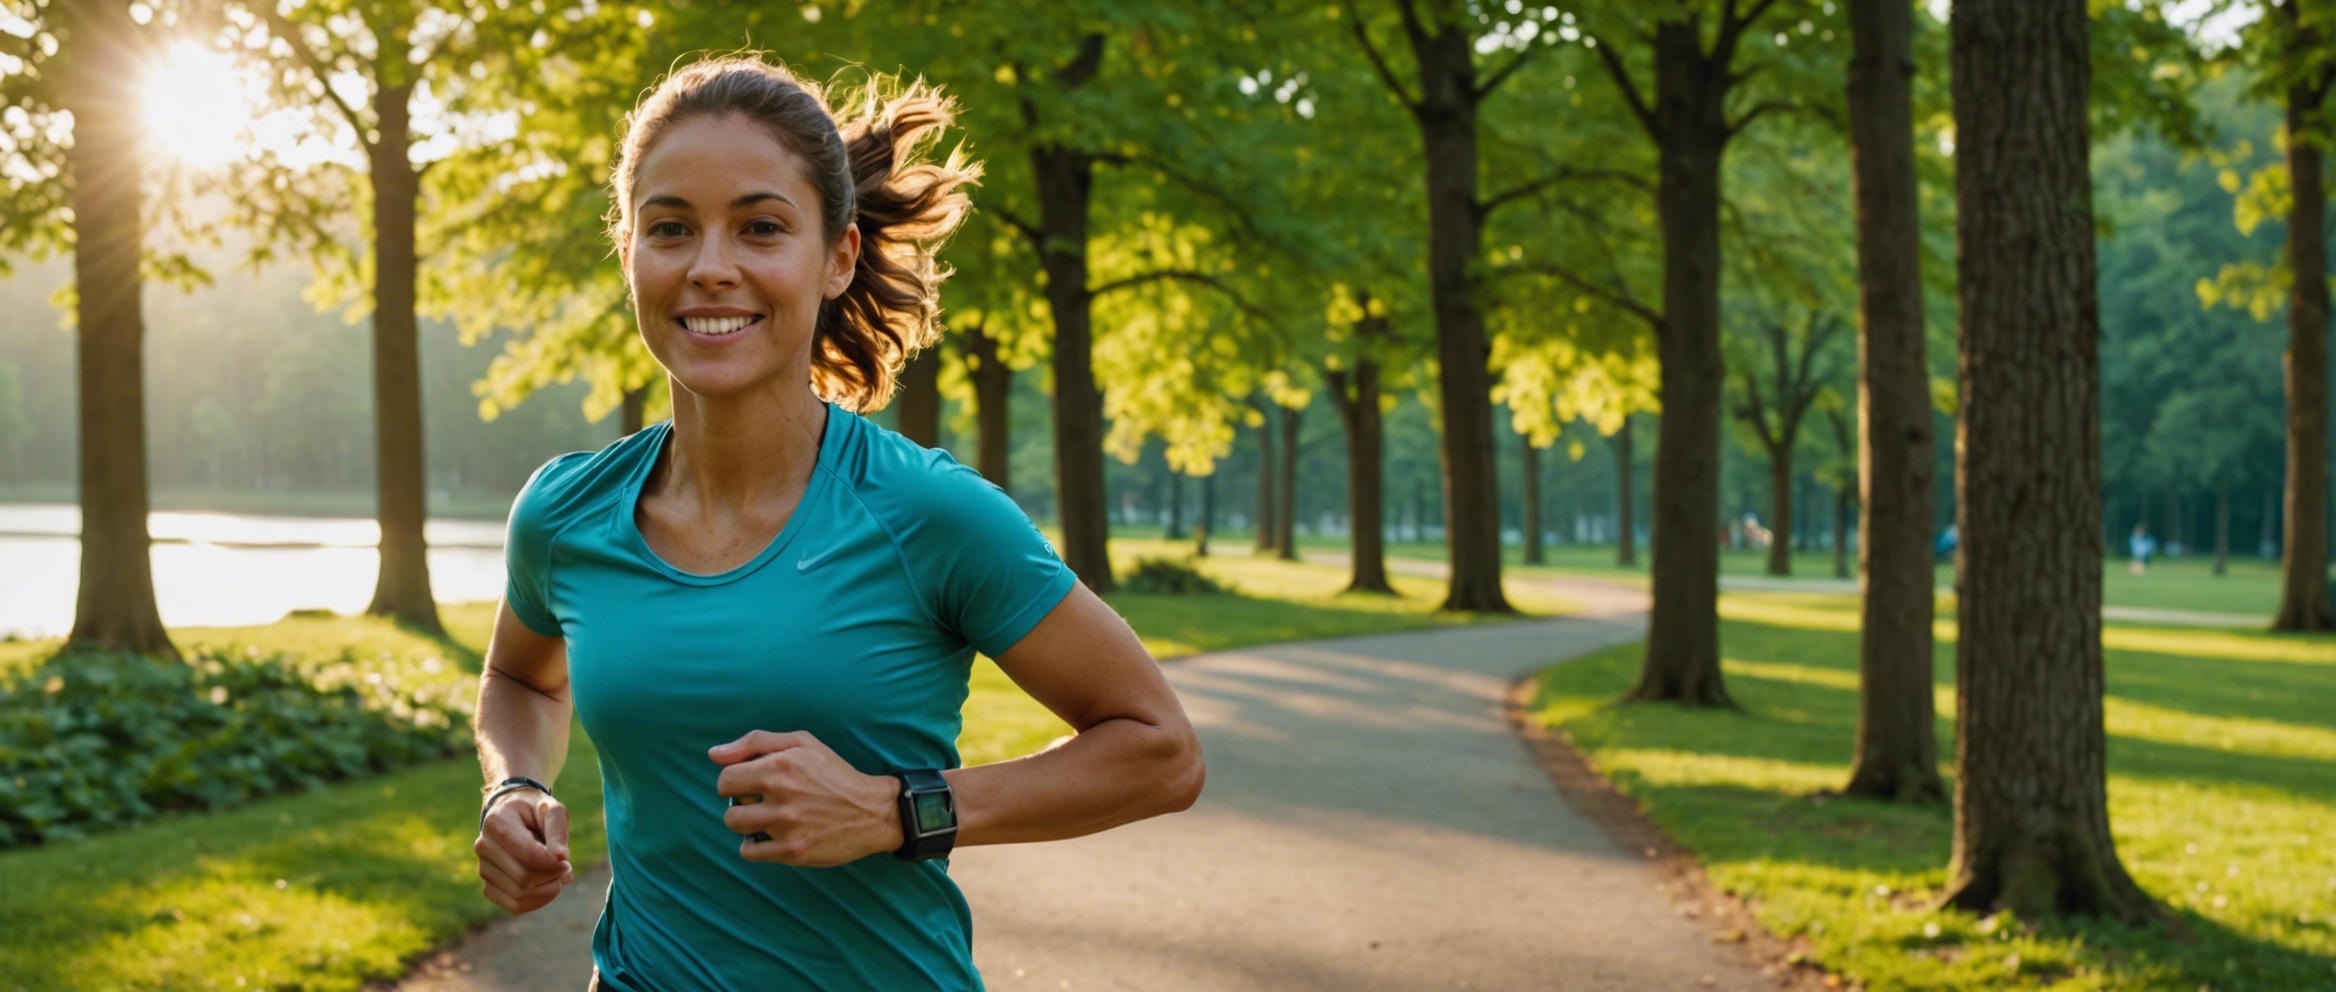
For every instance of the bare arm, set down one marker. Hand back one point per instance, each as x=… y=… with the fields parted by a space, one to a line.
x=523 y=714
x=1133 y=755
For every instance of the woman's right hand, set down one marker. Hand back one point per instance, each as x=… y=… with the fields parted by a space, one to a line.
x=523 y=851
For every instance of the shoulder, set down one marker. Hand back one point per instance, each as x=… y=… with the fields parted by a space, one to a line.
x=575 y=483
x=919 y=493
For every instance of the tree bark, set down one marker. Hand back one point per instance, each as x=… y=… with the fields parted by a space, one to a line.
x=1208 y=515
x=2303 y=571
x=1897 y=749
x=2031 y=800
x=993 y=394
x=633 y=413
x=1285 y=537
x=1780 y=490
x=1625 y=552
x=1841 y=535
x=1683 y=638
x=400 y=473
x=1265 y=470
x=1175 y=506
x=115 y=610
x=1066 y=179
x=1531 y=470
x=1446 y=114
x=1365 y=477
x=2222 y=530
x=918 y=410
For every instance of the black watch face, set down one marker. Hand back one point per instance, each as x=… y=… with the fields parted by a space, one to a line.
x=934 y=812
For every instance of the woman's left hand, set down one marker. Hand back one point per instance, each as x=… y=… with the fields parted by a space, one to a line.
x=814 y=808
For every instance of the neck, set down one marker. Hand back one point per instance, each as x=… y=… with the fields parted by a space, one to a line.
x=729 y=451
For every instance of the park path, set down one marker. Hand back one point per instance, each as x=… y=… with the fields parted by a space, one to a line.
x=1370 y=822
x=2127 y=614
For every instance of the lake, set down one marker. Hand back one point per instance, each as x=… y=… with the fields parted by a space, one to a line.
x=226 y=569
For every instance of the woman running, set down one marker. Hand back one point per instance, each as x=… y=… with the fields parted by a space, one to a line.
x=765 y=609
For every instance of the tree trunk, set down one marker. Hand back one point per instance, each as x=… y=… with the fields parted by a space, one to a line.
x=1208 y=515
x=1066 y=179
x=2270 y=543
x=1175 y=505
x=400 y=473
x=1683 y=637
x=1626 y=552
x=2222 y=530
x=1780 y=491
x=918 y=413
x=1841 y=533
x=1446 y=115
x=116 y=609
x=1265 y=469
x=1897 y=749
x=1285 y=537
x=1531 y=470
x=993 y=394
x=1365 y=478
x=633 y=413
x=2303 y=571
x=2031 y=800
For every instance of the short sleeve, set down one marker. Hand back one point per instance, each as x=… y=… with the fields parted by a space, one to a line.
x=987 y=571
x=527 y=545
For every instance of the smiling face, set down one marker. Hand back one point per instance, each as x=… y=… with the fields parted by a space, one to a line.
x=727 y=259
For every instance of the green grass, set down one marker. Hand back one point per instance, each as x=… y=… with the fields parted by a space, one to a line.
x=2221 y=800
x=332 y=889
x=322 y=890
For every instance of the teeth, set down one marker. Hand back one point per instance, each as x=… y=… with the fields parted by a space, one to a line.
x=715 y=325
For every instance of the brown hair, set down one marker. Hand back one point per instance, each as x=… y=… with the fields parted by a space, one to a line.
x=868 y=167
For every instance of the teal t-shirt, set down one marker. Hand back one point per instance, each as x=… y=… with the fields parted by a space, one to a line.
x=858 y=623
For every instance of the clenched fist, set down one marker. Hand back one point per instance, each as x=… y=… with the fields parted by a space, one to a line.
x=801 y=804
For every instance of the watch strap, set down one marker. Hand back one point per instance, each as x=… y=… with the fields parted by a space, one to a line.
x=496 y=792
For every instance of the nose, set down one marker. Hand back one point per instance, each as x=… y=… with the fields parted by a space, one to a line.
x=716 y=264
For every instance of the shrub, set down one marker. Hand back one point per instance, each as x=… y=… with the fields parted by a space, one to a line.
x=1162 y=575
x=94 y=740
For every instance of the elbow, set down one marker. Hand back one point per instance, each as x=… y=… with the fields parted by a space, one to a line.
x=1184 y=772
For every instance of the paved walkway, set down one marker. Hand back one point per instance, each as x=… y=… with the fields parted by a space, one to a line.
x=1370 y=822
x=1765 y=583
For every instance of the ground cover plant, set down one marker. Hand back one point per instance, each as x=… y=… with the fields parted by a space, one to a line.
x=2220 y=798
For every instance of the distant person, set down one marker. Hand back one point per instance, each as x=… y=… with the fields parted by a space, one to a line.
x=765 y=610
x=1949 y=540
x=2141 y=544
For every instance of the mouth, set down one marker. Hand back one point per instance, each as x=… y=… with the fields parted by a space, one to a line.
x=717 y=326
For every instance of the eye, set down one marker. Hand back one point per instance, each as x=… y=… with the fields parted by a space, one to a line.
x=667 y=229
x=765 y=228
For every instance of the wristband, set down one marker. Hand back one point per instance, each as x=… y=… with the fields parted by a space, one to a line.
x=506 y=787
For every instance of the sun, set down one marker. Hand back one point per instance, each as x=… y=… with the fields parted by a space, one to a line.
x=197 y=106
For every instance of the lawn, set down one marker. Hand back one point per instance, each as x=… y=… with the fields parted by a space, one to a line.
x=2221 y=800
x=332 y=889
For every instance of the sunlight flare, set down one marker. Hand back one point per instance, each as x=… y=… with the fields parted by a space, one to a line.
x=198 y=108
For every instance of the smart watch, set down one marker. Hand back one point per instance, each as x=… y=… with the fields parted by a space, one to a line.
x=928 y=815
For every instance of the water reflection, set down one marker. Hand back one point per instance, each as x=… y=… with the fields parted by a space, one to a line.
x=222 y=569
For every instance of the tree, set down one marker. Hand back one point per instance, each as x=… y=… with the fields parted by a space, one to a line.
x=406 y=53
x=2031 y=805
x=97 y=86
x=1897 y=753
x=2310 y=73
x=1774 y=410
x=1357 y=398
x=1688 y=120
x=1443 y=44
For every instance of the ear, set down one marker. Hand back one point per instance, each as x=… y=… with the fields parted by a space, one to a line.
x=843 y=259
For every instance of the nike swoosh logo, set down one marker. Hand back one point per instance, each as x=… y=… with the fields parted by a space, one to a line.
x=809 y=562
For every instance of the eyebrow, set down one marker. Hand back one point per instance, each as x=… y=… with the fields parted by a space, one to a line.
x=748 y=200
